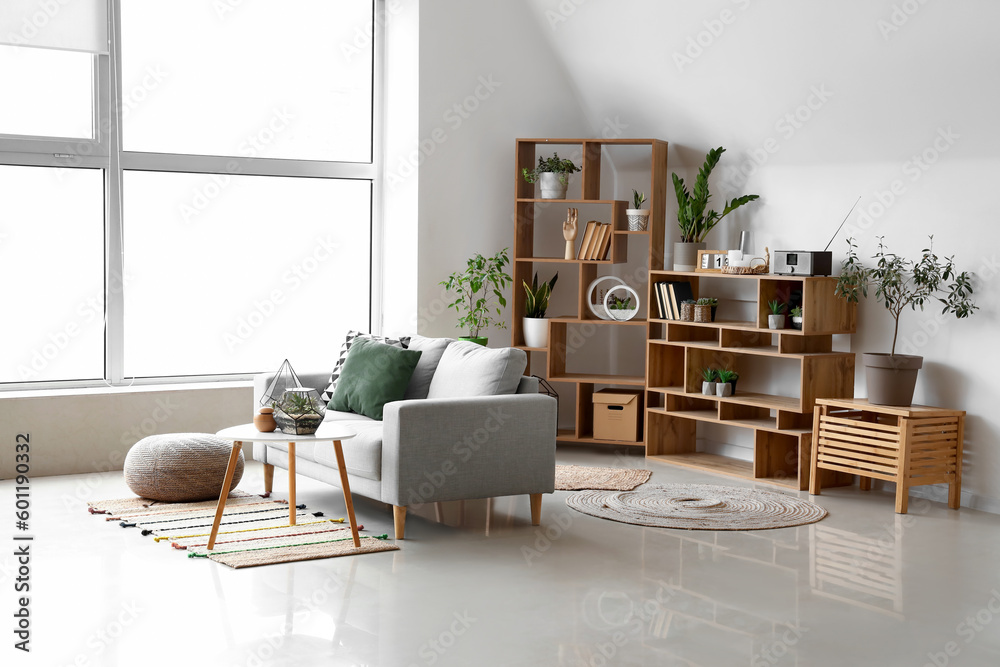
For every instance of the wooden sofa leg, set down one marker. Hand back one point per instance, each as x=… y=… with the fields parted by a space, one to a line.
x=268 y=478
x=536 y=508
x=399 y=520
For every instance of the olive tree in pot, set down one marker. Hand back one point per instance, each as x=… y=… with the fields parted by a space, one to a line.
x=552 y=176
x=901 y=283
x=536 y=327
x=696 y=222
x=480 y=293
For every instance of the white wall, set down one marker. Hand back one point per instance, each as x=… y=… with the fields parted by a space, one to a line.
x=875 y=89
x=487 y=77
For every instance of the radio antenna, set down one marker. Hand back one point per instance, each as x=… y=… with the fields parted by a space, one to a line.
x=842 y=224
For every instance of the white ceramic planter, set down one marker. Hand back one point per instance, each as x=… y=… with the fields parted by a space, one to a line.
x=551 y=187
x=536 y=331
x=797 y=323
x=708 y=388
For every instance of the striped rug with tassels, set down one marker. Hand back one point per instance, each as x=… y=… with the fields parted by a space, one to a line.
x=254 y=531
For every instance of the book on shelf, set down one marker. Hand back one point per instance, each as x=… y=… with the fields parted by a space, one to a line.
x=661 y=314
x=679 y=293
x=602 y=252
x=588 y=236
x=595 y=241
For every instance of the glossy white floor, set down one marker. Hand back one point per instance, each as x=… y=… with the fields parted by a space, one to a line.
x=862 y=587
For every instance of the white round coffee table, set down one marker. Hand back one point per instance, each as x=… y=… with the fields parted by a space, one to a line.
x=328 y=432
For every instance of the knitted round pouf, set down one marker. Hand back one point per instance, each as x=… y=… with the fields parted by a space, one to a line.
x=180 y=467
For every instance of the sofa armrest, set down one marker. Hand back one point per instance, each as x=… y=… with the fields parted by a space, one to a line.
x=317 y=381
x=464 y=448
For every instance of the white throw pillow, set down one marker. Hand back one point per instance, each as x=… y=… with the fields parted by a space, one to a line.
x=433 y=349
x=468 y=369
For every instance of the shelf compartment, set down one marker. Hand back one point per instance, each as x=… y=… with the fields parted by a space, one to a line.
x=681 y=333
x=756 y=340
x=560 y=260
x=794 y=344
x=664 y=365
x=538 y=200
x=567 y=435
x=777 y=456
x=749 y=416
x=722 y=465
x=587 y=378
x=768 y=401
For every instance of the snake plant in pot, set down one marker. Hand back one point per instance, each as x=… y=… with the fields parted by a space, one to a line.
x=693 y=218
x=901 y=283
x=536 y=302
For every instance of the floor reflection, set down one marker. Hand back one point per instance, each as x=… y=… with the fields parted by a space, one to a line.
x=865 y=572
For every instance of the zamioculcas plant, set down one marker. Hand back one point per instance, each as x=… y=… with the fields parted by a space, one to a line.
x=692 y=217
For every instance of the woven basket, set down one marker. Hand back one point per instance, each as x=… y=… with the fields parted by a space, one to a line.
x=702 y=313
x=687 y=312
x=180 y=467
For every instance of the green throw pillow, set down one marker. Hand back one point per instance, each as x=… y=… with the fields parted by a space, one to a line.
x=373 y=374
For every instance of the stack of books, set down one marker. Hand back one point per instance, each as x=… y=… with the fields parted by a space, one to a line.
x=670 y=296
x=596 y=241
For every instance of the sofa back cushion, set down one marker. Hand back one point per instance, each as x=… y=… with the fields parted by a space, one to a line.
x=432 y=349
x=373 y=374
x=468 y=369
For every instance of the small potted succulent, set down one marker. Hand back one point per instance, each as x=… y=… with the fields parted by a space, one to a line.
x=480 y=293
x=535 y=325
x=797 y=317
x=704 y=309
x=638 y=218
x=299 y=411
x=552 y=175
x=620 y=307
x=727 y=377
x=708 y=380
x=776 y=320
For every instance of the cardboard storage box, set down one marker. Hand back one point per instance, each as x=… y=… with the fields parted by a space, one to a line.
x=617 y=414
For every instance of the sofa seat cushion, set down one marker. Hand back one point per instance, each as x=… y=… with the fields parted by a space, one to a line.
x=467 y=369
x=362 y=453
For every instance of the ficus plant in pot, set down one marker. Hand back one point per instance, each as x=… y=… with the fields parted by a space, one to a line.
x=480 y=291
x=552 y=175
x=536 y=302
x=900 y=283
x=694 y=217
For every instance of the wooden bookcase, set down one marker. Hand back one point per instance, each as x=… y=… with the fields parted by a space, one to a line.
x=587 y=153
x=781 y=424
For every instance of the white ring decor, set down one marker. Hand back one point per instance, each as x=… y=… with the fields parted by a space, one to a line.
x=621 y=315
x=599 y=313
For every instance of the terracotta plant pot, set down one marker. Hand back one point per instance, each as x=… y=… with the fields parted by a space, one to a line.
x=264 y=421
x=891 y=378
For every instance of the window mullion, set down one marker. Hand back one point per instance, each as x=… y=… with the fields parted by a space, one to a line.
x=110 y=132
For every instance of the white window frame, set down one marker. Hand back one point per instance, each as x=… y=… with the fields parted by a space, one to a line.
x=103 y=152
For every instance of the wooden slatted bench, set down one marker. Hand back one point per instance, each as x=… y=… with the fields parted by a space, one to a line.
x=910 y=446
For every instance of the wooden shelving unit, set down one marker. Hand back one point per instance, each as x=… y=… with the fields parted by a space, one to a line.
x=587 y=153
x=781 y=425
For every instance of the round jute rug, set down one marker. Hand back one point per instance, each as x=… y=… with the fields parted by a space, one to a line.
x=698 y=507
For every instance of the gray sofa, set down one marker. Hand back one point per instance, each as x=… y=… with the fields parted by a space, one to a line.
x=436 y=449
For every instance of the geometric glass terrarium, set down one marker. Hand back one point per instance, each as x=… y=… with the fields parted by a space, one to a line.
x=298 y=410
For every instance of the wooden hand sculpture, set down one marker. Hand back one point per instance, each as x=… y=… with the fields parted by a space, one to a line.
x=569 y=232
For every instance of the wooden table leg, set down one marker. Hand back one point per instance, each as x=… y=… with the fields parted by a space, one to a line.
x=903 y=466
x=234 y=457
x=865 y=483
x=814 y=483
x=339 y=451
x=955 y=488
x=291 y=484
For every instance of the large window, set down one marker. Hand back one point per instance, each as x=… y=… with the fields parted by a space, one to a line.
x=194 y=199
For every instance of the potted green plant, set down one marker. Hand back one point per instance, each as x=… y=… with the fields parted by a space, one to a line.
x=776 y=320
x=709 y=376
x=704 y=309
x=534 y=324
x=725 y=385
x=480 y=294
x=620 y=308
x=552 y=175
x=693 y=218
x=901 y=283
x=796 y=313
x=638 y=217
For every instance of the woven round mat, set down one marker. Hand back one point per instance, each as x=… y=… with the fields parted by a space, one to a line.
x=698 y=507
